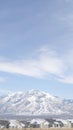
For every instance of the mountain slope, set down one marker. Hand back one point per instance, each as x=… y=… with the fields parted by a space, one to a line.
x=34 y=102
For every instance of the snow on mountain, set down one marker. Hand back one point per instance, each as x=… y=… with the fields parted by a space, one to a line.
x=34 y=102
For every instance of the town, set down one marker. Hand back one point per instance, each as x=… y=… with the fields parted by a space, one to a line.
x=36 y=123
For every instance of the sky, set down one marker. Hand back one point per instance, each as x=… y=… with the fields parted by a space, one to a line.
x=36 y=46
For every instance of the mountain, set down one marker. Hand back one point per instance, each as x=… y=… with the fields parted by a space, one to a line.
x=35 y=102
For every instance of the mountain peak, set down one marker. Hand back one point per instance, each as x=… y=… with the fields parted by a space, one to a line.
x=36 y=102
x=38 y=92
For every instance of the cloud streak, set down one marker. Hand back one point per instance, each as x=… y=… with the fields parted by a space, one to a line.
x=67 y=79
x=46 y=63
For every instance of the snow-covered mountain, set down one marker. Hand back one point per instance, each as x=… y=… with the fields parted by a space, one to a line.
x=34 y=102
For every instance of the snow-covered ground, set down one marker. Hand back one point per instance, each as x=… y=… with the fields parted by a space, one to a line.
x=34 y=102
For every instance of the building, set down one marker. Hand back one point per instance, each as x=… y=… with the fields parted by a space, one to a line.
x=35 y=125
x=45 y=124
x=58 y=124
x=68 y=124
x=16 y=124
x=4 y=124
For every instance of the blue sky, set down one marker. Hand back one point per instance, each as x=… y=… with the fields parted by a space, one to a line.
x=36 y=46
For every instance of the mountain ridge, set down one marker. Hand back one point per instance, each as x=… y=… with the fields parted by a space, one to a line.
x=35 y=102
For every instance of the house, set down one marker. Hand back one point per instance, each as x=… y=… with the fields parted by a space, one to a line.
x=57 y=124
x=51 y=122
x=68 y=124
x=35 y=125
x=4 y=124
x=16 y=124
x=26 y=123
x=45 y=124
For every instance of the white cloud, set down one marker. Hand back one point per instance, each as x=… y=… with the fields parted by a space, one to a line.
x=67 y=79
x=68 y=74
x=46 y=62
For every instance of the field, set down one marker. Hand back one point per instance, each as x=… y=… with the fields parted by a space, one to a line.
x=51 y=129
x=41 y=129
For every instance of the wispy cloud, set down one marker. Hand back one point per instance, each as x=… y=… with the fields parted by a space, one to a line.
x=68 y=74
x=44 y=63
x=67 y=79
